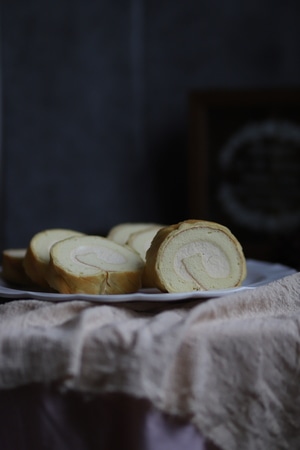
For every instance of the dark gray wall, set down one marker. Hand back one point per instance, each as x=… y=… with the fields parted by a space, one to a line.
x=95 y=101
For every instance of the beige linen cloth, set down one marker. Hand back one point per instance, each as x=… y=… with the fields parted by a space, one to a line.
x=229 y=365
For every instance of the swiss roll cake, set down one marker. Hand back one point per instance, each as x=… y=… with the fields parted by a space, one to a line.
x=37 y=255
x=194 y=255
x=94 y=265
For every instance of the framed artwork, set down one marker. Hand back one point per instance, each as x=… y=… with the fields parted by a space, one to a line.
x=244 y=167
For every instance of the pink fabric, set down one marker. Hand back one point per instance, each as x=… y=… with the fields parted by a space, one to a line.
x=38 y=417
x=228 y=366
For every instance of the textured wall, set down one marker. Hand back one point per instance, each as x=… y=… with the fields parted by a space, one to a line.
x=95 y=101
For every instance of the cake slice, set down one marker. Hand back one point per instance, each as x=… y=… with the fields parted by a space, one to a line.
x=141 y=240
x=12 y=266
x=121 y=232
x=94 y=265
x=194 y=255
x=37 y=256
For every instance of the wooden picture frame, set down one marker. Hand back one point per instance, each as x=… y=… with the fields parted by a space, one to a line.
x=244 y=166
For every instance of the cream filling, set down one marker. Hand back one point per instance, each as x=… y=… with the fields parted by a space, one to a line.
x=213 y=259
x=97 y=257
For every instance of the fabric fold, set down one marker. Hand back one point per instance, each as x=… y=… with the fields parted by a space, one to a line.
x=229 y=365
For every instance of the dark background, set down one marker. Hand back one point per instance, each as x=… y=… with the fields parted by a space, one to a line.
x=95 y=101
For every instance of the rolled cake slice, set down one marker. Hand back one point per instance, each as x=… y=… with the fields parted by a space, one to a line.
x=94 y=265
x=12 y=266
x=141 y=240
x=121 y=232
x=37 y=255
x=194 y=255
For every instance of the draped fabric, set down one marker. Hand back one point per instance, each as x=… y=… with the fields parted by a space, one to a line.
x=230 y=366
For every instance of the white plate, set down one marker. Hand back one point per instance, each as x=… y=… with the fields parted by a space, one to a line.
x=259 y=274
